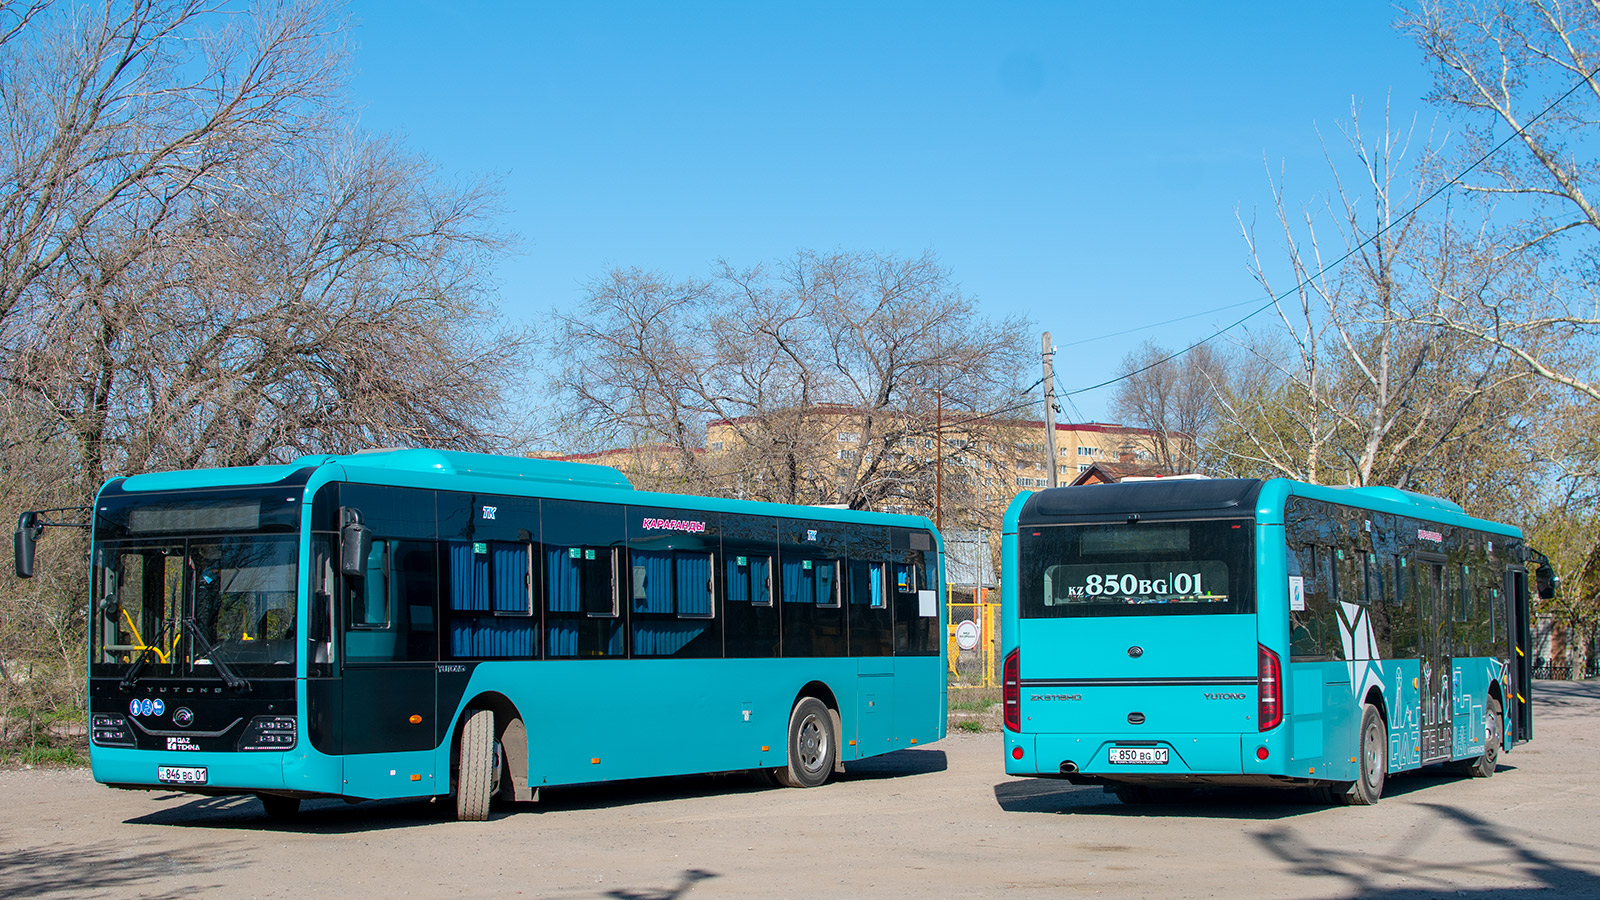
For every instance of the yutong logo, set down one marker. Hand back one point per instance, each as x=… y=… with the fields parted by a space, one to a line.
x=1226 y=697
x=1039 y=697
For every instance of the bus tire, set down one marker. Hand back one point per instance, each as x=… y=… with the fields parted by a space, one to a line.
x=1372 y=754
x=1484 y=766
x=812 y=745
x=476 y=775
x=279 y=807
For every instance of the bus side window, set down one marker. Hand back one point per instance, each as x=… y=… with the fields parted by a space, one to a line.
x=1380 y=593
x=369 y=601
x=1304 y=641
x=582 y=599
x=914 y=632
x=597 y=574
x=391 y=607
x=761 y=581
x=905 y=578
x=1405 y=626
x=696 y=584
x=828 y=588
x=490 y=591
x=319 y=628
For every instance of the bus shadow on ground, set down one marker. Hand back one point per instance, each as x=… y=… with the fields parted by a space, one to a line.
x=241 y=813
x=1498 y=855
x=1062 y=798
x=899 y=764
x=340 y=817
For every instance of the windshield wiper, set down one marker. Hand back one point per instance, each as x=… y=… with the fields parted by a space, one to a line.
x=130 y=679
x=208 y=651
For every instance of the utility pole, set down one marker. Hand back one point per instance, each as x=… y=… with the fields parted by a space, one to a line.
x=938 y=458
x=1050 y=411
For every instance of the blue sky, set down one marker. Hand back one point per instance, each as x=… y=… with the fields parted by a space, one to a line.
x=1076 y=163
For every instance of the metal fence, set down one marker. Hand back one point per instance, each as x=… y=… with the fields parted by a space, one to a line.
x=1542 y=669
x=973 y=633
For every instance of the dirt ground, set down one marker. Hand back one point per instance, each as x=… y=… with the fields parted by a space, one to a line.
x=937 y=822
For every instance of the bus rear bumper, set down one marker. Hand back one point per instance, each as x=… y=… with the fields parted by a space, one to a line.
x=1227 y=758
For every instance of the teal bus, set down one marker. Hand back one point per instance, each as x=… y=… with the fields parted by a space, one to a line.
x=419 y=623
x=1167 y=634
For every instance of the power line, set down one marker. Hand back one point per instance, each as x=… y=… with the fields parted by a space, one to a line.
x=1582 y=80
x=1205 y=312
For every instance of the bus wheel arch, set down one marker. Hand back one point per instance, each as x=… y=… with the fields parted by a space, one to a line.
x=824 y=693
x=1484 y=765
x=812 y=738
x=1372 y=750
x=1374 y=698
x=510 y=742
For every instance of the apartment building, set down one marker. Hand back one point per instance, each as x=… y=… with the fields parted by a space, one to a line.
x=982 y=462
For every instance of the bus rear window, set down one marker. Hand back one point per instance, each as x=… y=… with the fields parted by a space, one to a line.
x=1141 y=569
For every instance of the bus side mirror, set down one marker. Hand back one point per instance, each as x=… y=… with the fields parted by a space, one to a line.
x=28 y=531
x=355 y=543
x=1547 y=581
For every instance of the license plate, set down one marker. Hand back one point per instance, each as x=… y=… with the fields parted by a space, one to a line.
x=1139 y=756
x=181 y=774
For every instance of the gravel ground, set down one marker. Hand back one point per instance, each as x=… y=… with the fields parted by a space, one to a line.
x=943 y=821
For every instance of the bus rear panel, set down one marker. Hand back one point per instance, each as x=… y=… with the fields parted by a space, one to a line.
x=1185 y=633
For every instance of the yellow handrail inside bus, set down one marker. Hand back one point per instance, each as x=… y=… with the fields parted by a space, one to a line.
x=140 y=645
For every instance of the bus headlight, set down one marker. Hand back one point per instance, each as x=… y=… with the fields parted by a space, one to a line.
x=110 y=731
x=269 y=733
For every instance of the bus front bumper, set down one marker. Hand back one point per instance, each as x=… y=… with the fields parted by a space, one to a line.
x=290 y=772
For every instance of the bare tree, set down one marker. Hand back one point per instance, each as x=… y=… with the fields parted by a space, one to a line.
x=203 y=263
x=1497 y=68
x=1351 y=389
x=262 y=281
x=828 y=372
x=1177 y=399
x=633 y=356
x=119 y=114
x=1524 y=74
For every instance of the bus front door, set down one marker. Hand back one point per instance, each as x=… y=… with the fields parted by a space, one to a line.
x=1518 y=712
x=390 y=724
x=1435 y=663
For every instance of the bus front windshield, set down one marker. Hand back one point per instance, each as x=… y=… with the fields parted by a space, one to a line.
x=196 y=606
x=1137 y=569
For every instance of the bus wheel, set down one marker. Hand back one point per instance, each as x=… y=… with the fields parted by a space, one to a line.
x=476 y=775
x=279 y=807
x=1484 y=766
x=812 y=745
x=1374 y=759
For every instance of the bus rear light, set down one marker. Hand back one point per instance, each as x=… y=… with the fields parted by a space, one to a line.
x=1261 y=753
x=1011 y=691
x=1016 y=752
x=1269 y=689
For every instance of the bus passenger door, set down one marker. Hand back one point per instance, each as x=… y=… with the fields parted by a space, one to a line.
x=390 y=654
x=1435 y=661
x=1518 y=712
